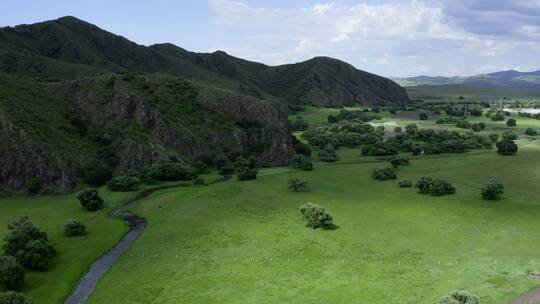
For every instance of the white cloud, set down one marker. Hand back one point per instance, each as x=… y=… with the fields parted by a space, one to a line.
x=408 y=33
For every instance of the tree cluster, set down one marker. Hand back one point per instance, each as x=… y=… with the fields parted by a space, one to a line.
x=434 y=187
x=383 y=174
x=28 y=244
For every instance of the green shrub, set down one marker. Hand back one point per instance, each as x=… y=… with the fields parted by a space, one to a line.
x=90 y=199
x=12 y=297
x=28 y=244
x=492 y=190
x=398 y=130
x=33 y=186
x=296 y=184
x=316 y=216
x=499 y=116
x=396 y=162
x=494 y=137
x=383 y=174
x=509 y=135
x=328 y=154
x=422 y=116
x=169 y=172
x=405 y=184
x=507 y=147
x=411 y=128
x=459 y=297
x=11 y=273
x=124 y=183
x=74 y=227
x=511 y=122
x=477 y=127
x=301 y=162
x=226 y=168
x=246 y=173
x=531 y=132
x=435 y=187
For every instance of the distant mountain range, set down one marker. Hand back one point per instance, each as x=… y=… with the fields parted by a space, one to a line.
x=509 y=79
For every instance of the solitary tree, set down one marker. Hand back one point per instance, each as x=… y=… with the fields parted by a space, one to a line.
x=511 y=122
x=90 y=199
x=296 y=184
x=492 y=190
x=507 y=147
x=74 y=227
x=316 y=216
x=459 y=297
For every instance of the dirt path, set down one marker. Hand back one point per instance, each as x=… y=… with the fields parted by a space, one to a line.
x=85 y=287
x=531 y=297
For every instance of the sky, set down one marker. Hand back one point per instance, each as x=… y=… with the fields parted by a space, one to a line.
x=395 y=38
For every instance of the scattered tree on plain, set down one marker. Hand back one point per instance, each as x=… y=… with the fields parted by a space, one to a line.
x=382 y=174
x=316 y=216
x=459 y=297
x=507 y=147
x=511 y=122
x=28 y=244
x=297 y=184
x=90 y=199
x=492 y=189
x=434 y=187
x=74 y=227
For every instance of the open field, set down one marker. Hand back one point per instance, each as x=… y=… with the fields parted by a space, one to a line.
x=451 y=92
x=243 y=242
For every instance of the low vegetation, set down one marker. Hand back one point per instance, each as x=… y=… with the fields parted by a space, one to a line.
x=90 y=199
x=316 y=216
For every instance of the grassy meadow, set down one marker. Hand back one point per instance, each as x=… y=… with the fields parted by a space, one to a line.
x=244 y=242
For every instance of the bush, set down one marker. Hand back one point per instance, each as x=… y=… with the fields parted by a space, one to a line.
x=90 y=200
x=492 y=190
x=74 y=228
x=511 y=122
x=459 y=297
x=328 y=154
x=316 y=216
x=12 y=297
x=499 y=116
x=405 y=184
x=435 y=187
x=398 y=129
x=493 y=137
x=28 y=244
x=381 y=149
x=124 y=183
x=422 y=116
x=11 y=273
x=296 y=184
x=477 y=127
x=246 y=173
x=301 y=162
x=96 y=173
x=169 y=172
x=507 y=147
x=531 y=132
x=411 y=128
x=33 y=186
x=399 y=161
x=509 y=135
x=383 y=174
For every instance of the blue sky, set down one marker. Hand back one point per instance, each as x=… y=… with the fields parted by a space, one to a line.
x=387 y=37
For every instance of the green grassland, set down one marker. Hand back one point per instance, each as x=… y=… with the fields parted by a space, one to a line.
x=451 y=92
x=243 y=242
x=74 y=254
